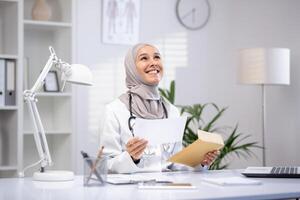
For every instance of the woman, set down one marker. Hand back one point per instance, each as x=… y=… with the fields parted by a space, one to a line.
x=127 y=154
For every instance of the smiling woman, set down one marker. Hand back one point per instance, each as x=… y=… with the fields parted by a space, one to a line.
x=149 y=65
x=127 y=153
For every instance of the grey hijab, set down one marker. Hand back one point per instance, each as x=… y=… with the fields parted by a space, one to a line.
x=146 y=100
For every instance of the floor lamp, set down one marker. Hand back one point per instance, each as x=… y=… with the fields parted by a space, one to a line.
x=264 y=66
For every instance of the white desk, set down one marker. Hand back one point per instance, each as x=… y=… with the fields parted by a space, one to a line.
x=15 y=188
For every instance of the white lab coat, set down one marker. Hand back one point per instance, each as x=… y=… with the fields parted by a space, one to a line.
x=114 y=135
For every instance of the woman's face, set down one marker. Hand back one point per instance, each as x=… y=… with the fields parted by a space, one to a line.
x=149 y=65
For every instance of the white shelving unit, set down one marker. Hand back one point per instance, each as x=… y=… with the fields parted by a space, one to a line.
x=10 y=34
x=26 y=41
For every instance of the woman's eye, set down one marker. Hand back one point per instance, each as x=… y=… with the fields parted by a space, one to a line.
x=157 y=57
x=143 y=58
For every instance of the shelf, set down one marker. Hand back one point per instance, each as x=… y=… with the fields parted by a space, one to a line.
x=50 y=132
x=8 y=108
x=26 y=41
x=46 y=25
x=54 y=94
x=5 y=2
x=8 y=56
x=8 y=168
x=8 y=27
x=9 y=1
x=61 y=10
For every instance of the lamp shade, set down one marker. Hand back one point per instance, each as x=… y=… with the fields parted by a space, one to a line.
x=264 y=66
x=79 y=74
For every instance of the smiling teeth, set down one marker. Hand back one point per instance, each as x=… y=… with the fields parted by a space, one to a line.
x=153 y=72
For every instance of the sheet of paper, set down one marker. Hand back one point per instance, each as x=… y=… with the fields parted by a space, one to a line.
x=160 y=131
x=193 y=154
x=120 y=179
x=168 y=186
x=224 y=181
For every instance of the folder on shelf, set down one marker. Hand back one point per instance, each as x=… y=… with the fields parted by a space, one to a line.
x=2 y=82
x=10 y=83
x=193 y=154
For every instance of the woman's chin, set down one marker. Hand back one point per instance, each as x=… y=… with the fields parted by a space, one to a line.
x=153 y=82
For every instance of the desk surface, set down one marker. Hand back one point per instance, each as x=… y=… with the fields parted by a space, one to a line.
x=15 y=188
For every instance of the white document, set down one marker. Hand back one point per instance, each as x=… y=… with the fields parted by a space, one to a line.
x=120 y=179
x=224 y=181
x=167 y=186
x=160 y=131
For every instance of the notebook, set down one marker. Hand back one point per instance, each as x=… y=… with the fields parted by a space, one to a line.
x=272 y=172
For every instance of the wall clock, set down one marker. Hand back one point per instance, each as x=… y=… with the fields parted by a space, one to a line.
x=193 y=14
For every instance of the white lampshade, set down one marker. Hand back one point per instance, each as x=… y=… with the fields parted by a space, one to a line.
x=264 y=66
x=79 y=74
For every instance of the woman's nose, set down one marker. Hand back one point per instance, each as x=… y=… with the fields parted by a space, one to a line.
x=154 y=61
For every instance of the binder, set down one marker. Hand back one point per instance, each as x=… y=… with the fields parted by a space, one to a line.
x=2 y=82
x=10 y=83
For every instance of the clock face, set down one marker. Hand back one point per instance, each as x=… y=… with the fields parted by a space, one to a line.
x=193 y=14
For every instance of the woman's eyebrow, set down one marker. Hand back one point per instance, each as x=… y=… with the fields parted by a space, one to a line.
x=143 y=54
x=146 y=54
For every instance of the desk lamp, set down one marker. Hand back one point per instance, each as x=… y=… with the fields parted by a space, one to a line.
x=264 y=66
x=76 y=73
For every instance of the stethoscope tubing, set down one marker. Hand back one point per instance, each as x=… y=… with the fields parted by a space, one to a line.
x=133 y=117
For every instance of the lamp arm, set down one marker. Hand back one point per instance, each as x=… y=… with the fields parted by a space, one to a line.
x=30 y=98
x=40 y=80
x=39 y=132
x=42 y=134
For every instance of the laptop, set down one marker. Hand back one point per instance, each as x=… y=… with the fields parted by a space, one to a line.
x=272 y=172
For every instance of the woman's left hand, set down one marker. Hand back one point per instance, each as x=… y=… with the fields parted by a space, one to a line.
x=210 y=157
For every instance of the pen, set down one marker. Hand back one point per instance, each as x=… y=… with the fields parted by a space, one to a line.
x=93 y=168
x=90 y=163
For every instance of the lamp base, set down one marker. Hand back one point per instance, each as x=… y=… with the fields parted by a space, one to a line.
x=53 y=176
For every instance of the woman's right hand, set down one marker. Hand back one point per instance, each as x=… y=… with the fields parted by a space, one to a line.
x=135 y=147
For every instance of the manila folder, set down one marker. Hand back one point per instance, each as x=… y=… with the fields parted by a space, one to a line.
x=193 y=154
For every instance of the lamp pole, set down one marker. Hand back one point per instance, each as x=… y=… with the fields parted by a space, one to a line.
x=263 y=125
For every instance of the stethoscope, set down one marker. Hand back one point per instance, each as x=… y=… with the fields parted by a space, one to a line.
x=132 y=118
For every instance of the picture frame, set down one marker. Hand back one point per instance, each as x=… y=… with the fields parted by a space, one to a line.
x=51 y=82
x=120 y=21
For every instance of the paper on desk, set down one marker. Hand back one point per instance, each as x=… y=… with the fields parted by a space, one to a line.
x=167 y=186
x=160 y=131
x=231 y=181
x=120 y=179
x=193 y=154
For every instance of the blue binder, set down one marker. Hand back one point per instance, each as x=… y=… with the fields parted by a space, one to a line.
x=10 y=83
x=2 y=82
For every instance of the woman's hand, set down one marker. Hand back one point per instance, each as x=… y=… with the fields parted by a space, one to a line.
x=135 y=147
x=210 y=157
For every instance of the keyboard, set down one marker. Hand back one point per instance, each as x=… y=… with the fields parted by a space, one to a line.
x=273 y=172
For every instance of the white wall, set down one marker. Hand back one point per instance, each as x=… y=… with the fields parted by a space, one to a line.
x=277 y=27
x=239 y=24
x=209 y=60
